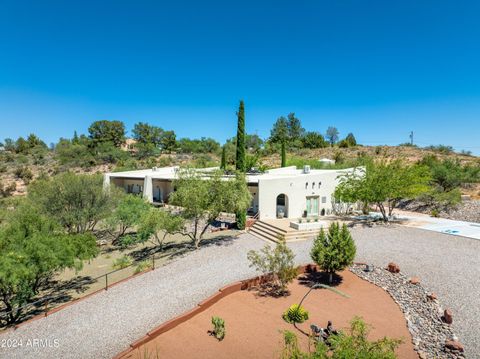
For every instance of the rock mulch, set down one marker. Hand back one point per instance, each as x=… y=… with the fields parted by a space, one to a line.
x=468 y=210
x=432 y=337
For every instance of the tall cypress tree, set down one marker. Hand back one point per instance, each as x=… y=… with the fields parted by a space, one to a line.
x=240 y=158
x=284 y=155
x=223 y=163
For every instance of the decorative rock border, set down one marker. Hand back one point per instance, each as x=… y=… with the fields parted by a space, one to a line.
x=431 y=335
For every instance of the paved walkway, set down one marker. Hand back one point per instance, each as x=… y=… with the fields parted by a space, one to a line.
x=106 y=323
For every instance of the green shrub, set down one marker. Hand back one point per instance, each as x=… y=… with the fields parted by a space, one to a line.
x=295 y=314
x=241 y=219
x=278 y=263
x=143 y=266
x=218 y=328
x=24 y=173
x=354 y=344
x=122 y=262
x=335 y=250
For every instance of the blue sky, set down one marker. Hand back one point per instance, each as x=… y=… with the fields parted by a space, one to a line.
x=378 y=69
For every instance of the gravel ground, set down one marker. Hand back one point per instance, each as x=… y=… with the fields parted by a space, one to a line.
x=105 y=324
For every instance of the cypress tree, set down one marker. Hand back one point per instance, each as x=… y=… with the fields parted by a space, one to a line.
x=284 y=155
x=240 y=158
x=223 y=163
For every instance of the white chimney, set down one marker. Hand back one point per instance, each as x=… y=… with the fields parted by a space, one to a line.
x=306 y=169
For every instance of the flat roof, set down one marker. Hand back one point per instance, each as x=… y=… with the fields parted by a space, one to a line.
x=169 y=173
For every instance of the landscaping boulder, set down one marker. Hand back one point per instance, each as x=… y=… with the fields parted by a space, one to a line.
x=414 y=280
x=393 y=268
x=447 y=316
x=454 y=345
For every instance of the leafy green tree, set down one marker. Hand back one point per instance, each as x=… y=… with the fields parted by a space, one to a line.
x=77 y=202
x=332 y=135
x=278 y=263
x=156 y=224
x=280 y=131
x=145 y=134
x=295 y=129
x=32 y=249
x=203 y=145
x=351 y=140
x=203 y=199
x=384 y=184
x=284 y=155
x=313 y=140
x=127 y=212
x=107 y=131
x=240 y=157
x=9 y=145
x=168 y=142
x=335 y=250
x=253 y=143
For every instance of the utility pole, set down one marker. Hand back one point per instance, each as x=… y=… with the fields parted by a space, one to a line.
x=411 y=138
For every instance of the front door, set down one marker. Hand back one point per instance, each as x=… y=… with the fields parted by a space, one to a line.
x=312 y=206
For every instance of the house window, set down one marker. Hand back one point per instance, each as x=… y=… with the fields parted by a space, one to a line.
x=313 y=185
x=306 y=185
x=324 y=199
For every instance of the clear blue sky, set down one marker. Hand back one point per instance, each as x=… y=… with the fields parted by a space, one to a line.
x=376 y=68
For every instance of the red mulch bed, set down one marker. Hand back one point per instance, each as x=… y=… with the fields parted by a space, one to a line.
x=254 y=323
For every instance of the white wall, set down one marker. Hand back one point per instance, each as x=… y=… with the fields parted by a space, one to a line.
x=296 y=190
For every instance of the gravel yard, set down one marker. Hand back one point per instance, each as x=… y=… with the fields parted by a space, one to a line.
x=106 y=323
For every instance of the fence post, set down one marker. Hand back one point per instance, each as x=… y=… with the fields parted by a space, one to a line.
x=153 y=261
x=106 y=281
x=46 y=307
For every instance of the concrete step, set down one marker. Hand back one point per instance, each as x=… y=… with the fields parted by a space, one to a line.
x=269 y=232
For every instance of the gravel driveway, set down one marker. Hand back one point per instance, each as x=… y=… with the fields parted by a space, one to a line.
x=447 y=265
x=106 y=323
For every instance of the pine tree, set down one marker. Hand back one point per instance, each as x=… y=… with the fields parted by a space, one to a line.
x=240 y=158
x=223 y=163
x=284 y=155
x=335 y=250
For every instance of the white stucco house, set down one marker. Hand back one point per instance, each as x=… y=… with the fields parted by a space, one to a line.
x=282 y=192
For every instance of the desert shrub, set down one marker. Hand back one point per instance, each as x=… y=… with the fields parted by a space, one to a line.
x=122 y=262
x=335 y=250
x=278 y=263
x=295 y=314
x=143 y=266
x=352 y=344
x=218 y=328
x=24 y=173
x=6 y=191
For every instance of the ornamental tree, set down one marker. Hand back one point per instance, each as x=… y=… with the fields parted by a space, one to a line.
x=384 y=184
x=203 y=197
x=240 y=157
x=335 y=250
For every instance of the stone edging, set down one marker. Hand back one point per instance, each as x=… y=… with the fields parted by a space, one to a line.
x=423 y=314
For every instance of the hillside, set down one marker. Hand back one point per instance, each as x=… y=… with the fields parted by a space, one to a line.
x=19 y=170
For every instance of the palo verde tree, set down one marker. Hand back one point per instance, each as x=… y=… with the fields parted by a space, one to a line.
x=335 y=250
x=384 y=184
x=332 y=135
x=240 y=157
x=33 y=247
x=204 y=196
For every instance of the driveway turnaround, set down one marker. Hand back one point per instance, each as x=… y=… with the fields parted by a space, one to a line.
x=106 y=323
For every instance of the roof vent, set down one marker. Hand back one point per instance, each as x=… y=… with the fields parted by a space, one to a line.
x=306 y=169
